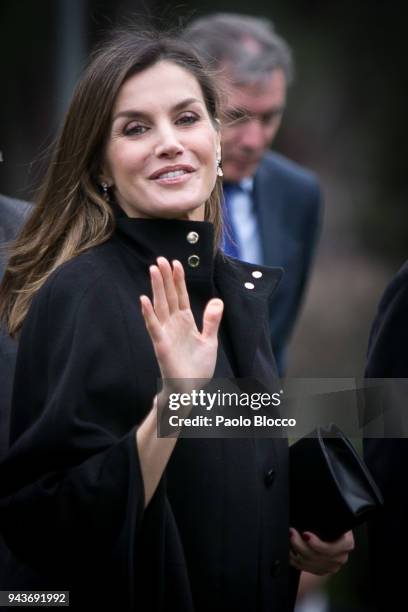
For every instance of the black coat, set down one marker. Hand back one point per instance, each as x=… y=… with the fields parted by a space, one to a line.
x=215 y=534
x=388 y=458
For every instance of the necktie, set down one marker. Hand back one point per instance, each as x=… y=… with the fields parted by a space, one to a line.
x=229 y=239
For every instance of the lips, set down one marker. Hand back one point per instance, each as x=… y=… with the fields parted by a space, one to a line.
x=171 y=172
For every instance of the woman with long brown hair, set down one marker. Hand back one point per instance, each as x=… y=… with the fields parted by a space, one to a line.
x=93 y=501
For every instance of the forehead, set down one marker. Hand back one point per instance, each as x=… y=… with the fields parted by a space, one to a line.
x=163 y=84
x=260 y=96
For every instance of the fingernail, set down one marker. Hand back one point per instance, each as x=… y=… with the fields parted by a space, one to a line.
x=305 y=537
x=291 y=533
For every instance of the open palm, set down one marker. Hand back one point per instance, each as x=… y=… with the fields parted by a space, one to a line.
x=183 y=352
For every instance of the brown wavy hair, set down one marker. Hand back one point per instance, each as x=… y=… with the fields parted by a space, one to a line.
x=70 y=215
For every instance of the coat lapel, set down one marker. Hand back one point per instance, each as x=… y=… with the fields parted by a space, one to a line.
x=245 y=309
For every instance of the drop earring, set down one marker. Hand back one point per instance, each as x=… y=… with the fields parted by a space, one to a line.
x=105 y=191
x=219 y=168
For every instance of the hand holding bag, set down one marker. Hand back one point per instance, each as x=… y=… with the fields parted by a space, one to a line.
x=331 y=488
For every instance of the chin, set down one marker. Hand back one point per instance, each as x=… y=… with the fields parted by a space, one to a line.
x=237 y=172
x=234 y=177
x=233 y=174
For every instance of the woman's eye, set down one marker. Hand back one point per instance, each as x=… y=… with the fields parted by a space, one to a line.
x=135 y=129
x=187 y=119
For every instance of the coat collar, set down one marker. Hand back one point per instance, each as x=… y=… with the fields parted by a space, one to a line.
x=191 y=242
x=244 y=288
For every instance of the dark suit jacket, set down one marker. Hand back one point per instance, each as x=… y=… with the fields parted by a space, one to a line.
x=289 y=208
x=388 y=458
x=72 y=489
x=12 y=215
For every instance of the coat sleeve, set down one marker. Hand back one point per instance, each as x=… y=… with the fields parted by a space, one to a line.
x=387 y=351
x=71 y=487
x=388 y=359
x=387 y=458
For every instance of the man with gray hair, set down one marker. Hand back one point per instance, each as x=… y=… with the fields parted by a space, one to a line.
x=272 y=205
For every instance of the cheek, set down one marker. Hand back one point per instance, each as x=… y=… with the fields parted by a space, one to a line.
x=270 y=131
x=230 y=135
x=208 y=149
x=124 y=159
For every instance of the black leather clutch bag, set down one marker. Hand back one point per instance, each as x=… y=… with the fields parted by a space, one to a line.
x=331 y=489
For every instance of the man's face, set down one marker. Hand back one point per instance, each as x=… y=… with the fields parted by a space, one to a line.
x=254 y=114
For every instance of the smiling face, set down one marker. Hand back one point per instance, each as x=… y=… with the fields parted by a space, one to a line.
x=160 y=156
x=255 y=113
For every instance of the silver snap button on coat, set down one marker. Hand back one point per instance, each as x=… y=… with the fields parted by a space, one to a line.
x=249 y=286
x=257 y=274
x=192 y=237
x=269 y=477
x=193 y=261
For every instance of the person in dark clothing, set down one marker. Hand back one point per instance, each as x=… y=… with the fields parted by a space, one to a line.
x=12 y=215
x=387 y=457
x=92 y=498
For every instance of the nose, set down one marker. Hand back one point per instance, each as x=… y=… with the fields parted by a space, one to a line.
x=253 y=135
x=168 y=143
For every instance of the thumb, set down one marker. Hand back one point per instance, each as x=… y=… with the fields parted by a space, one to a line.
x=212 y=318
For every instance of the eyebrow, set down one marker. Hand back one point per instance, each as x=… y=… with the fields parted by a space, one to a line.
x=133 y=113
x=237 y=111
